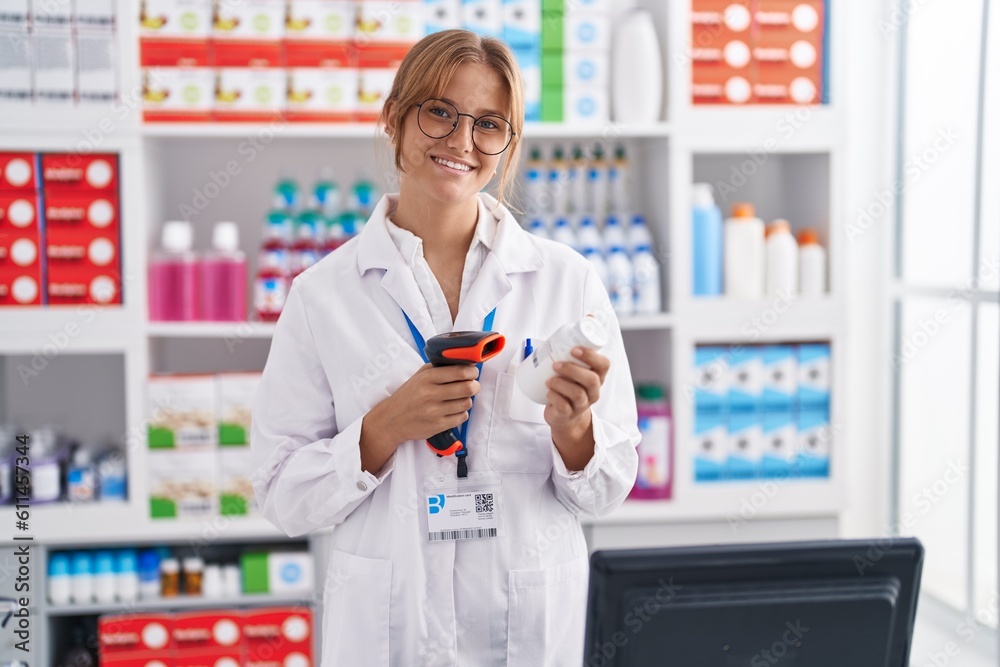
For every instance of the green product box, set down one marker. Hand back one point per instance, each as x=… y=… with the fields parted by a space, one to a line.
x=552 y=31
x=254 y=569
x=552 y=6
x=236 y=496
x=552 y=69
x=552 y=104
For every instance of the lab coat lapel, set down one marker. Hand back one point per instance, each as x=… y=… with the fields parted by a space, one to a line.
x=490 y=287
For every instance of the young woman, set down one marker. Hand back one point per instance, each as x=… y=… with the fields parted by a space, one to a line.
x=347 y=401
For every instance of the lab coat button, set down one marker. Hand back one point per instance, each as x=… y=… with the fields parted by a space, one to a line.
x=362 y=486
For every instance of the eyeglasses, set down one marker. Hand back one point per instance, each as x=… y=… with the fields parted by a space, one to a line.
x=490 y=134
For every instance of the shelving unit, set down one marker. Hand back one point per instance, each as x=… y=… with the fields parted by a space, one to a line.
x=162 y=165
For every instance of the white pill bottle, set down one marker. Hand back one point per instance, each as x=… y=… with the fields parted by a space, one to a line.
x=534 y=372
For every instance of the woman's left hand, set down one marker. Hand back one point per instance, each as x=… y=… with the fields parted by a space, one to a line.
x=572 y=391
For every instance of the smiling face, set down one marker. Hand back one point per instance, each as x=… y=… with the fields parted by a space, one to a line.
x=452 y=170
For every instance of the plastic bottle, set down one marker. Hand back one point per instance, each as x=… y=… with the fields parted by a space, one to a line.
x=194 y=571
x=707 y=242
x=588 y=237
x=619 y=175
x=538 y=228
x=81 y=578
x=744 y=253
x=105 y=577
x=559 y=183
x=614 y=233
x=622 y=281
x=812 y=264
x=654 y=450
x=81 y=478
x=173 y=275
x=223 y=277
x=782 y=259
x=636 y=69
x=211 y=585
x=535 y=179
x=111 y=475
x=127 y=569
x=578 y=181
x=638 y=234
x=59 y=580
x=593 y=255
x=46 y=465
x=334 y=237
x=149 y=574
x=597 y=184
x=170 y=577
x=648 y=297
x=325 y=196
x=533 y=372
x=364 y=194
x=563 y=233
x=287 y=194
x=305 y=249
x=271 y=281
x=232 y=581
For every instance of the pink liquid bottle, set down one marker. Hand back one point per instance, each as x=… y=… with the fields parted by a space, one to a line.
x=272 y=279
x=173 y=276
x=223 y=276
x=655 y=478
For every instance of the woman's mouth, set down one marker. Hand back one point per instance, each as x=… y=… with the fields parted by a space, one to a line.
x=453 y=166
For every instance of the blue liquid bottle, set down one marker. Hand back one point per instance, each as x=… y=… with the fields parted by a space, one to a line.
x=706 y=242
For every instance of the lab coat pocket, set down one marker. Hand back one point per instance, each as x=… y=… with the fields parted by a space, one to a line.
x=547 y=613
x=517 y=445
x=356 y=610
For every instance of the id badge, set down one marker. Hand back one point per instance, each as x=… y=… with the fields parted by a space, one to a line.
x=464 y=509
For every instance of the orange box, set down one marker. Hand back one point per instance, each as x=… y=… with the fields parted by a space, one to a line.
x=73 y=285
x=18 y=211
x=275 y=635
x=789 y=51
x=18 y=171
x=82 y=212
x=722 y=66
x=134 y=633
x=19 y=287
x=208 y=630
x=80 y=174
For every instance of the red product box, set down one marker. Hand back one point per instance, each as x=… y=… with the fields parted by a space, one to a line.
x=279 y=636
x=134 y=634
x=74 y=285
x=20 y=287
x=210 y=658
x=20 y=249
x=18 y=211
x=80 y=174
x=722 y=37
x=789 y=51
x=18 y=171
x=208 y=630
x=144 y=659
x=82 y=248
x=82 y=212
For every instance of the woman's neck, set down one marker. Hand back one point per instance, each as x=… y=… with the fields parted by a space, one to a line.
x=447 y=229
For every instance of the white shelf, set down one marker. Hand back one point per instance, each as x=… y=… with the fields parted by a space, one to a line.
x=179 y=603
x=760 y=129
x=66 y=329
x=717 y=319
x=226 y=330
x=647 y=322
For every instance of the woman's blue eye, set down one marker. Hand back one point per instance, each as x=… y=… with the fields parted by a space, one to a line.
x=487 y=125
x=440 y=112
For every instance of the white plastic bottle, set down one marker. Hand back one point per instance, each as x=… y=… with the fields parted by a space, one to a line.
x=812 y=264
x=638 y=234
x=105 y=579
x=636 y=69
x=559 y=182
x=782 y=259
x=81 y=578
x=59 y=579
x=647 y=281
x=597 y=184
x=614 y=233
x=538 y=228
x=563 y=233
x=587 y=236
x=532 y=374
x=743 y=250
x=593 y=255
x=127 y=569
x=622 y=281
x=534 y=184
x=619 y=175
x=578 y=181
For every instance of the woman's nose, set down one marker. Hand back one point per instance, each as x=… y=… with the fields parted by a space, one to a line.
x=461 y=138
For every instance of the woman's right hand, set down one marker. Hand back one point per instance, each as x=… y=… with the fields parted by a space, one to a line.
x=432 y=400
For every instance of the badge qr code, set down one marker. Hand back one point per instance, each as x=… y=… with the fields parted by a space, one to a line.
x=484 y=503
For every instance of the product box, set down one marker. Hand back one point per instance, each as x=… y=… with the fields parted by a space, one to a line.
x=20 y=250
x=82 y=249
x=442 y=15
x=95 y=14
x=780 y=444
x=711 y=379
x=780 y=377
x=234 y=404
x=814 y=377
x=814 y=441
x=182 y=483
x=789 y=51
x=54 y=62
x=256 y=21
x=374 y=84
x=522 y=23
x=181 y=412
x=710 y=446
x=277 y=571
x=20 y=287
x=553 y=30
x=134 y=636
x=529 y=62
x=14 y=12
x=236 y=495
x=219 y=657
x=584 y=68
x=52 y=13
x=18 y=171
x=586 y=105
x=96 y=66
x=322 y=82
x=249 y=93
x=278 y=636
x=72 y=285
x=745 y=379
x=170 y=20
x=329 y=21
x=744 y=438
x=587 y=31
x=552 y=103
x=95 y=213
x=200 y=631
x=179 y=93
x=15 y=58
x=722 y=67
x=483 y=17
x=18 y=211
x=399 y=23
x=80 y=174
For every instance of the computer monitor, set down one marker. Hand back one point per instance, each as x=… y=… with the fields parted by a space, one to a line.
x=796 y=604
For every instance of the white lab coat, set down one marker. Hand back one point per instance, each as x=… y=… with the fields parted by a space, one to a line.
x=390 y=596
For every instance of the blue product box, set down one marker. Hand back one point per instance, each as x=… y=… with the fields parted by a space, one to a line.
x=442 y=15
x=710 y=449
x=483 y=17
x=814 y=441
x=744 y=445
x=710 y=379
x=814 y=376
x=530 y=62
x=745 y=379
x=779 y=445
x=522 y=23
x=780 y=377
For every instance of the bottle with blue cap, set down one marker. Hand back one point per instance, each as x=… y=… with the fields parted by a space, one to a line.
x=622 y=281
x=127 y=575
x=149 y=574
x=534 y=186
x=638 y=234
x=81 y=578
x=593 y=255
x=104 y=576
x=588 y=236
x=59 y=583
x=647 y=281
x=564 y=233
x=537 y=227
x=614 y=233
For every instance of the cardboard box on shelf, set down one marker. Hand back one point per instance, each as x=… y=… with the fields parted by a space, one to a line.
x=442 y=15
x=20 y=250
x=95 y=14
x=182 y=483
x=19 y=172
x=179 y=93
x=54 y=64
x=169 y=20
x=181 y=412
x=20 y=288
x=134 y=636
x=235 y=404
x=744 y=444
x=522 y=23
x=83 y=249
x=277 y=635
x=251 y=82
x=322 y=82
x=722 y=67
x=96 y=66
x=96 y=213
x=199 y=631
x=483 y=17
x=328 y=21
x=256 y=21
x=587 y=31
x=710 y=448
x=15 y=62
x=19 y=211
x=80 y=174
x=398 y=23
x=277 y=571
x=72 y=285
x=586 y=105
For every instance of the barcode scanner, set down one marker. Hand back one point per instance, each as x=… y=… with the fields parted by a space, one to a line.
x=454 y=349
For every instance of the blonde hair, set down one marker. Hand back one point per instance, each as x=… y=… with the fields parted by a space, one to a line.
x=426 y=71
